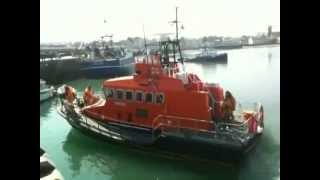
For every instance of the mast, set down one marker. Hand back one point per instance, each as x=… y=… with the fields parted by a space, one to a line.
x=102 y=41
x=177 y=36
x=145 y=42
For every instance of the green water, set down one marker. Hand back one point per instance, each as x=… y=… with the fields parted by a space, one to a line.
x=252 y=74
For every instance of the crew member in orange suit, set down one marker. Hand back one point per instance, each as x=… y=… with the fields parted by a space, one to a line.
x=89 y=97
x=70 y=94
x=228 y=106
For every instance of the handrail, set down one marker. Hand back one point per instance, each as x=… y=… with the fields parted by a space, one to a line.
x=161 y=124
x=196 y=120
x=161 y=121
x=239 y=125
x=177 y=117
x=194 y=129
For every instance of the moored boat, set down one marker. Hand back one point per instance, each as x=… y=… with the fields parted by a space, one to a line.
x=107 y=61
x=48 y=171
x=209 y=56
x=46 y=92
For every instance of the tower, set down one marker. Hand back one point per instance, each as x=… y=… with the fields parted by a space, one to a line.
x=269 y=31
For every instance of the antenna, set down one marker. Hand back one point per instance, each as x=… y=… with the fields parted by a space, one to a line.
x=177 y=27
x=177 y=35
x=110 y=38
x=145 y=42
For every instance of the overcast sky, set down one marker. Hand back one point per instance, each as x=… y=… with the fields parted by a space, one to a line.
x=74 y=20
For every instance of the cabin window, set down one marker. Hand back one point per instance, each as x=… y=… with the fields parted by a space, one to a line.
x=149 y=97
x=105 y=92
x=129 y=95
x=159 y=98
x=108 y=93
x=119 y=94
x=139 y=96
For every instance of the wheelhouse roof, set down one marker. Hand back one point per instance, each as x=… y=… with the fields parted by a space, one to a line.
x=126 y=82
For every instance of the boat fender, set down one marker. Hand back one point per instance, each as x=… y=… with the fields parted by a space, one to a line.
x=253 y=128
x=46 y=168
x=259 y=118
x=41 y=151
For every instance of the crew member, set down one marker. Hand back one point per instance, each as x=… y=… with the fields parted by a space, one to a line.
x=70 y=94
x=228 y=106
x=89 y=97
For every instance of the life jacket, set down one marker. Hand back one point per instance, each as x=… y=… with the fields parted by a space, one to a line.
x=70 y=94
x=232 y=103
x=87 y=97
x=229 y=105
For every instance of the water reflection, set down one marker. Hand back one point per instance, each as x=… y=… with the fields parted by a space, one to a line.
x=263 y=162
x=122 y=163
x=45 y=108
x=79 y=149
x=269 y=57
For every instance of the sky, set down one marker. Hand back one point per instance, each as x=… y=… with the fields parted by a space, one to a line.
x=83 y=20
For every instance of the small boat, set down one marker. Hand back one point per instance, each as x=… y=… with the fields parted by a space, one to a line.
x=165 y=107
x=209 y=56
x=48 y=170
x=46 y=92
x=107 y=61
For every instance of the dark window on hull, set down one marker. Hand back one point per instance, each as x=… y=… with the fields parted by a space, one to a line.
x=119 y=94
x=160 y=98
x=108 y=93
x=129 y=117
x=129 y=95
x=149 y=97
x=142 y=113
x=139 y=96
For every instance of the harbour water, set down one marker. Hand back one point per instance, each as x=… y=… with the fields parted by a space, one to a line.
x=251 y=74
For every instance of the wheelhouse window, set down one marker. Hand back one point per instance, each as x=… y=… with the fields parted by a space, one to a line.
x=119 y=94
x=139 y=96
x=149 y=97
x=129 y=95
x=159 y=98
x=108 y=93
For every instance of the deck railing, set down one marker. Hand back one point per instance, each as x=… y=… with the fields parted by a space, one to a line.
x=166 y=123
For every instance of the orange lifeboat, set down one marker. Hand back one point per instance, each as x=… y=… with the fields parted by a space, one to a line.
x=161 y=101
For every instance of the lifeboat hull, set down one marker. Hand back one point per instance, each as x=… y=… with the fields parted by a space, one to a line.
x=187 y=146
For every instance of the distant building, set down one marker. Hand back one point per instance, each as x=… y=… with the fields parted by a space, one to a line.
x=272 y=34
x=269 y=31
x=275 y=34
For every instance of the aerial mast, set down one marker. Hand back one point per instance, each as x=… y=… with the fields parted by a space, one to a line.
x=177 y=35
x=177 y=24
x=145 y=42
